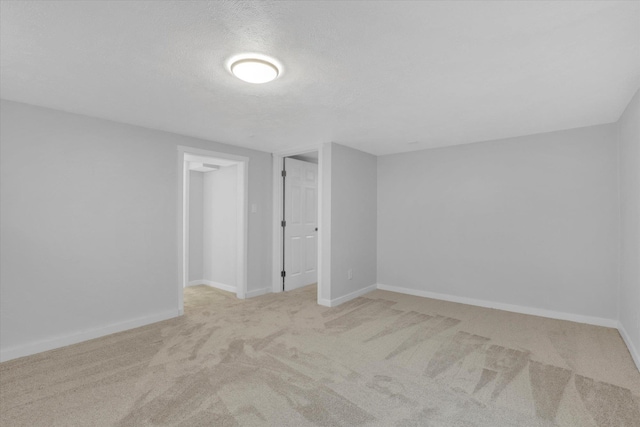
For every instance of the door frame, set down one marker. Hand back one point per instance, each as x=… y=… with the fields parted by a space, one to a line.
x=324 y=216
x=183 y=219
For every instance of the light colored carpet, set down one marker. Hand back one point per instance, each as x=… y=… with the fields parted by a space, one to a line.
x=385 y=359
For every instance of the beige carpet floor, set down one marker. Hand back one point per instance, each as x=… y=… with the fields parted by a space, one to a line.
x=384 y=359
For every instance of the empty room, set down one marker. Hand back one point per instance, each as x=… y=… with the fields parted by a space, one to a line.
x=320 y=213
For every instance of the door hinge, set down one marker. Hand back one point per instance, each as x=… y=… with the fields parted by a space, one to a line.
x=283 y=223
x=284 y=173
x=283 y=274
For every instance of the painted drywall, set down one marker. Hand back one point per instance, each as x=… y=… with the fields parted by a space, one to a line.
x=220 y=226
x=324 y=224
x=353 y=221
x=629 y=149
x=530 y=221
x=196 y=224
x=89 y=227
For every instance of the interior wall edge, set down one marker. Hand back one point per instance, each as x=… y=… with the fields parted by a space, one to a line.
x=533 y=311
x=258 y=292
x=635 y=354
x=340 y=300
x=196 y=282
x=628 y=145
x=213 y=284
x=81 y=336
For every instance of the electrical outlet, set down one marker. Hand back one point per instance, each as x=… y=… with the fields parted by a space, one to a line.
x=350 y=274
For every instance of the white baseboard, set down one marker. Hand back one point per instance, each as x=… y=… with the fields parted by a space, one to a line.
x=89 y=334
x=337 y=301
x=229 y=288
x=598 y=321
x=632 y=349
x=218 y=285
x=324 y=302
x=258 y=292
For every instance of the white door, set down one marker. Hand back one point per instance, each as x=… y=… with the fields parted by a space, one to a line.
x=301 y=223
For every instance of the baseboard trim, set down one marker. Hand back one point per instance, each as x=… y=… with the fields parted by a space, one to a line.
x=218 y=285
x=337 y=301
x=65 y=340
x=635 y=355
x=257 y=292
x=598 y=321
x=229 y=288
x=195 y=283
x=324 y=302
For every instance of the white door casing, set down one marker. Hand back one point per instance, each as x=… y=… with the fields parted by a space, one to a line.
x=186 y=154
x=301 y=218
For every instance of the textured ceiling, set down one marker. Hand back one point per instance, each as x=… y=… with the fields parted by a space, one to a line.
x=383 y=77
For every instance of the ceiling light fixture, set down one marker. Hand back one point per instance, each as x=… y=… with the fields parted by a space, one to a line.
x=254 y=70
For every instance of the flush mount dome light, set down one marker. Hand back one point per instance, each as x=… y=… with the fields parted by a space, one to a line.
x=254 y=70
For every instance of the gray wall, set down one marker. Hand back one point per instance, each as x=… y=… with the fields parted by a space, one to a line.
x=89 y=222
x=196 y=254
x=530 y=221
x=353 y=220
x=220 y=225
x=629 y=140
x=324 y=223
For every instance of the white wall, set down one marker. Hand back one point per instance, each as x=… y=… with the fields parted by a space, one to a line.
x=88 y=218
x=324 y=223
x=220 y=226
x=353 y=221
x=196 y=224
x=530 y=221
x=629 y=143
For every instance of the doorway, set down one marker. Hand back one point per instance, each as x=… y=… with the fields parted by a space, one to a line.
x=213 y=240
x=300 y=220
x=320 y=154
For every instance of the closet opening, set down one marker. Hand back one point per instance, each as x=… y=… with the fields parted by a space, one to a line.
x=213 y=221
